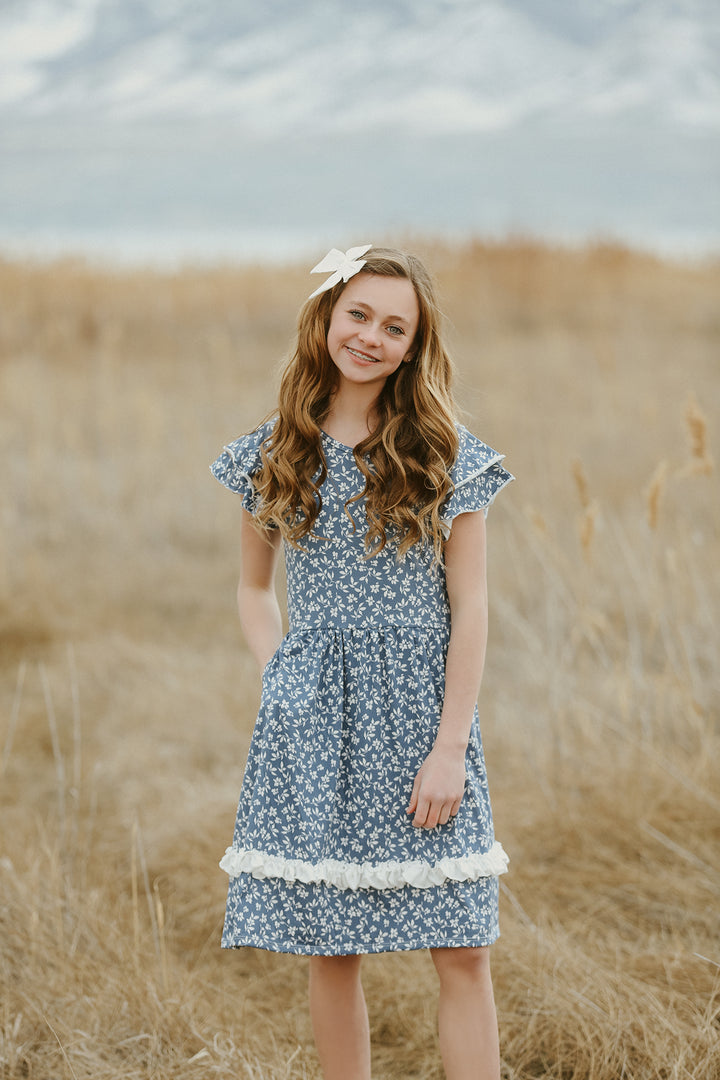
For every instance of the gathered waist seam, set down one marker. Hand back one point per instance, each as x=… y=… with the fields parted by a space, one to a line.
x=368 y=627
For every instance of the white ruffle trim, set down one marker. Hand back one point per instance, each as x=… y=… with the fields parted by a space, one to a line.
x=446 y=522
x=347 y=875
x=238 y=468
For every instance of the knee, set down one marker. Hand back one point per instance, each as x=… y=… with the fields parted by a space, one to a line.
x=337 y=969
x=472 y=964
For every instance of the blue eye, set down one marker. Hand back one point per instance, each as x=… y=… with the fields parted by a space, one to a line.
x=357 y=314
x=397 y=330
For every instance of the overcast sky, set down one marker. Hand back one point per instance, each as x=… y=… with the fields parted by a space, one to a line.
x=157 y=129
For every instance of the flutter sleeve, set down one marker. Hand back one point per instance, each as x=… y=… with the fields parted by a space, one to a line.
x=238 y=464
x=477 y=477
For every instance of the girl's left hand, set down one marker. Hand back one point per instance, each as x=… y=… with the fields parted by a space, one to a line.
x=438 y=789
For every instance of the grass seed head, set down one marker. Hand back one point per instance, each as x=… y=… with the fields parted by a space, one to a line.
x=701 y=460
x=586 y=528
x=581 y=483
x=655 y=494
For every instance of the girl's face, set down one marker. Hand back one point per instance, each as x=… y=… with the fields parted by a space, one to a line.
x=372 y=328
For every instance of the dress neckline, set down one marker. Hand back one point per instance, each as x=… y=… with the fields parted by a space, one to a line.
x=335 y=441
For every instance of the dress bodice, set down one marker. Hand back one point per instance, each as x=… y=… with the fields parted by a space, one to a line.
x=332 y=583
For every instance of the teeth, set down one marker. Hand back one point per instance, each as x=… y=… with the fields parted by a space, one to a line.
x=363 y=356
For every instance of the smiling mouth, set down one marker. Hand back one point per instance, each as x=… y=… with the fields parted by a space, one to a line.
x=363 y=356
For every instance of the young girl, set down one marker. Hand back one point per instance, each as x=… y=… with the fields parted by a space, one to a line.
x=364 y=822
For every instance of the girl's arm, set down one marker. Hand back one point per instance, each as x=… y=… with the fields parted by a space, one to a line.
x=440 y=782
x=257 y=601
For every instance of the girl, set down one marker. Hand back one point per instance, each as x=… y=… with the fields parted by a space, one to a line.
x=364 y=822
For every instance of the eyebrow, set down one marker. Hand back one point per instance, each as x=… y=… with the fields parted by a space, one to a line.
x=391 y=318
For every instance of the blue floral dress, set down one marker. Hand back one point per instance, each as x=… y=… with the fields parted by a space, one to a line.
x=325 y=859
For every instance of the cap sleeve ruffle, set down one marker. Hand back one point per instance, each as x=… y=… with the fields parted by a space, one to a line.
x=477 y=476
x=238 y=464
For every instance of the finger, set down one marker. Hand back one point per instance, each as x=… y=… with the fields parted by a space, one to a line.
x=432 y=815
x=421 y=813
x=412 y=805
x=445 y=815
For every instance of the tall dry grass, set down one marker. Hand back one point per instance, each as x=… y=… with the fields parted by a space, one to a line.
x=128 y=695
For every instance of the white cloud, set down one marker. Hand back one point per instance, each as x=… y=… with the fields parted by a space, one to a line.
x=456 y=66
x=36 y=32
x=44 y=30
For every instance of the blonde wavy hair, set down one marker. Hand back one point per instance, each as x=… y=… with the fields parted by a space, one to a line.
x=405 y=461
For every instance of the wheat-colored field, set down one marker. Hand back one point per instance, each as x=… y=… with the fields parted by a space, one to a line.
x=128 y=695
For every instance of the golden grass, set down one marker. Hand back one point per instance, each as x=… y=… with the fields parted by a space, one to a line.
x=128 y=695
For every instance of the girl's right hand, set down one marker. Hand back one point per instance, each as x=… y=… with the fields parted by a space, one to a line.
x=438 y=789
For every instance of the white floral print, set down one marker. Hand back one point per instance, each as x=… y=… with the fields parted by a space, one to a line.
x=325 y=860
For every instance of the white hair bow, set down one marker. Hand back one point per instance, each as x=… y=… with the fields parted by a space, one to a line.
x=342 y=264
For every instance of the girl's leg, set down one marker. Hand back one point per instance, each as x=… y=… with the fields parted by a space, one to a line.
x=339 y=1017
x=466 y=1014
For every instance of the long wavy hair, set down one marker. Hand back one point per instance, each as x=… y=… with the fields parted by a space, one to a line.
x=405 y=460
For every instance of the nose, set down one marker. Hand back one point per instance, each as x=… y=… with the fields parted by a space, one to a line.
x=369 y=333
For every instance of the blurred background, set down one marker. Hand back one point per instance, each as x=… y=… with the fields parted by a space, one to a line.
x=169 y=172
x=236 y=129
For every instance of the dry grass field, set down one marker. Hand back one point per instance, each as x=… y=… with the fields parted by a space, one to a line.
x=127 y=694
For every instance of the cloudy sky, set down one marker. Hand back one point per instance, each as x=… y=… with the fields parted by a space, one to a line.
x=171 y=129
